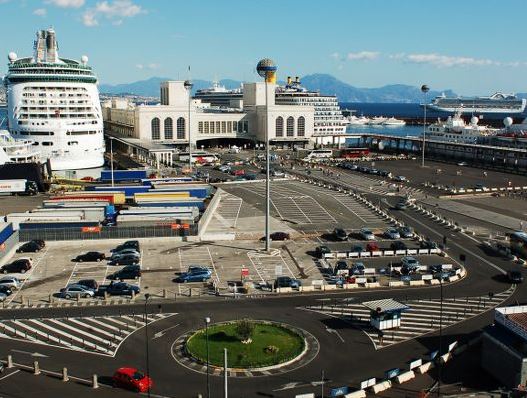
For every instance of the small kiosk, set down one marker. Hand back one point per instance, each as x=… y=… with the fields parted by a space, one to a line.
x=385 y=314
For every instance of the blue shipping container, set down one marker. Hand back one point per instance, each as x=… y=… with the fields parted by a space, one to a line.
x=123 y=175
x=6 y=232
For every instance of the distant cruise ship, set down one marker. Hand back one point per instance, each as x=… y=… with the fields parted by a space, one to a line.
x=496 y=103
x=328 y=115
x=454 y=129
x=55 y=102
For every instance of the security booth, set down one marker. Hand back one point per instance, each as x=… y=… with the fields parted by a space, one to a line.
x=385 y=314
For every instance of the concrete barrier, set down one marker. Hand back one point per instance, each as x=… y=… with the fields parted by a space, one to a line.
x=284 y=290
x=411 y=251
x=445 y=357
x=373 y=284
x=389 y=253
x=382 y=386
x=404 y=377
x=330 y=287
x=306 y=288
x=417 y=283
x=356 y=394
x=396 y=284
x=433 y=282
x=453 y=278
x=425 y=367
x=350 y=285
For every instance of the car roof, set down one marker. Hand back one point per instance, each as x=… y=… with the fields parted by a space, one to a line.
x=8 y=278
x=127 y=371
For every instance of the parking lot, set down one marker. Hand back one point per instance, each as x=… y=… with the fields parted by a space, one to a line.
x=307 y=207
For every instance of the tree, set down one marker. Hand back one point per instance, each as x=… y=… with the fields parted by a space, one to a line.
x=244 y=329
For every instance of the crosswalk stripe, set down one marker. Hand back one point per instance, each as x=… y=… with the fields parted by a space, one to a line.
x=90 y=336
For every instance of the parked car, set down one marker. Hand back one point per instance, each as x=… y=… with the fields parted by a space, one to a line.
x=398 y=245
x=121 y=289
x=11 y=282
x=357 y=249
x=340 y=234
x=286 y=281
x=125 y=259
x=90 y=256
x=129 y=250
x=29 y=247
x=515 y=277
x=134 y=244
x=90 y=284
x=224 y=168
x=339 y=266
x=321 y=250
x=400 y=178
x=132 y=379
x=400 y=205
x=74 y=291
x=392 y=233
x=366 y=234
x=410 y=263
x=128 y=272
x=194 y=275
x=427 y=244
x=406 y=232
x=21 y=265
x=357 y=268
x=372 y=247
x=280 y=236
x=7 y=290
x=462 y=164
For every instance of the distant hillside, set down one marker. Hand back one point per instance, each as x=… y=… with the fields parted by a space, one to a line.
x=326 y=84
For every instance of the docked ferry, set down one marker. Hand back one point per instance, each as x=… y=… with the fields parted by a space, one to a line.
x=54 y=102
x=496 y=103
x=454 y=129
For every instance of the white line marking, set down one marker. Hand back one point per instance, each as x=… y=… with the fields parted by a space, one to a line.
x=10 y=374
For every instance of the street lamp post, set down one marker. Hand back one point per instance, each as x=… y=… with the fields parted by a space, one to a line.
x=266 y=68
x=424 y=90
x=147 y=296
x=111 y=159
x=207 y=321
x=188 y=85
x=440 y=335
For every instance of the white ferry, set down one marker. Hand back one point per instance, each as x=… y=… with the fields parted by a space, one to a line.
x=54 y=102
x=454 y=129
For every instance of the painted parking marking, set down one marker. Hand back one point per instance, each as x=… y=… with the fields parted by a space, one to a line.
x=28 y=275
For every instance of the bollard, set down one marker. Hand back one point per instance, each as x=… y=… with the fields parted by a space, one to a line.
x=65 y=374
x=36 y=368
x=95 y=382
x=165 y=294
x=105 y=295
x=50 y=299
x=9 y=361
x=133 y=295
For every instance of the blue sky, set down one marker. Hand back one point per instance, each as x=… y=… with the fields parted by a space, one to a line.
x=470 y=46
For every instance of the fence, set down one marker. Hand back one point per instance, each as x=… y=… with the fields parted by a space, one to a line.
x=158 y=231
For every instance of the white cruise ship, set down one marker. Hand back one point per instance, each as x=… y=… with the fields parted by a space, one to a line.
x=454 y=129
x=17 y=151
x=496 y=103
x=328 y=115
x=54 y=102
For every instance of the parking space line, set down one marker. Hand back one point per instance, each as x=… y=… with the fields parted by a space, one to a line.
x=213 y=266
x=33 y=268
x=10 y=374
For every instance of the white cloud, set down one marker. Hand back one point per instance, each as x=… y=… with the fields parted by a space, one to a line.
x=363 y=56
x=115 y=11
x=66 y=3
x=41 y=12
x=444 y=61
x=335 y=55
x=150 y=66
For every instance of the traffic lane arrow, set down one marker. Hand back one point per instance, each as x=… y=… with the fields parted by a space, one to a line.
x=33 y=354
x=333 y=331
x=161 y=333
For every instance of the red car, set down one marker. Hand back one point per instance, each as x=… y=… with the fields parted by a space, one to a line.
x=372 y=247
x=132 y=379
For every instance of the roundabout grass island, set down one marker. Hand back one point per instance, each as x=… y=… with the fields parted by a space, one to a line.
x=250 y=344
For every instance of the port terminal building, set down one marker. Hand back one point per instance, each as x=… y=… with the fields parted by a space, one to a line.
x=154 y=134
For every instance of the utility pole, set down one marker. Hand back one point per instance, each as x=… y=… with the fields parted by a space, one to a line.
x=424 y=90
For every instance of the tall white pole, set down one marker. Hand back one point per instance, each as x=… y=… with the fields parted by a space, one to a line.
x=225 y=389
x=189 y=141
x=424 y=135
x=111 y=159
x=267 y=181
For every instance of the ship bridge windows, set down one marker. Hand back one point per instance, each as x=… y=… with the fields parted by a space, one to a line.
x=47 y=143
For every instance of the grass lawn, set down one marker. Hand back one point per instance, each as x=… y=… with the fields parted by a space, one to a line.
x=289 y=345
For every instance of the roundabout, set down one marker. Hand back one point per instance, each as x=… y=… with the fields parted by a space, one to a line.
x=255 y=348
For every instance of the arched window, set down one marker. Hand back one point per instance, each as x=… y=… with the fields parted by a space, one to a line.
x=279 y=126
x=169 y=129
x=290 y=126
x=180 y=128
x=156 y=134
x=301 y=126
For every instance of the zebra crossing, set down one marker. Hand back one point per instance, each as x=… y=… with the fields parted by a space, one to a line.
x=98 y=335
x=423 y=317
x=229 y=209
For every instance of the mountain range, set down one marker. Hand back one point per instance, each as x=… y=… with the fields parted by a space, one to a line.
x=326 y=84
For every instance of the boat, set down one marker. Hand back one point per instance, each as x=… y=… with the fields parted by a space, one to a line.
x=376 y=121
x=454 y=129
x=393 y=122
x=219 y=96
x=54 y=102
x=357 y=121
x=17 y=151
x=496 y=103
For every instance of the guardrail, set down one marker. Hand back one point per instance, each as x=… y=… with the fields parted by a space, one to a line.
x=381 y=253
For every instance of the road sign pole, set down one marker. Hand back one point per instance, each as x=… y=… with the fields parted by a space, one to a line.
x=225 y=390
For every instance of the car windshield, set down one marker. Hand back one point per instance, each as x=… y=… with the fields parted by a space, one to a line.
x=138 y=376
x=411 y=261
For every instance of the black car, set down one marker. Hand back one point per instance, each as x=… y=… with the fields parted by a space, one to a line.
x=398 y=245
x=121 y=289
x=129 y=244
x=21 y=266
x=286 y=281
x=29 y=247
x=278 y=236
x=321 y=250
x=90 y=256
x=515 y=277
x=88 y=284
x=340 y=234
x=128 y=272
x=6 y=290
x=427 y=244
x=125 y=259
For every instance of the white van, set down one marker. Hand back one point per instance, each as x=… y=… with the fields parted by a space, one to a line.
x=319 y=154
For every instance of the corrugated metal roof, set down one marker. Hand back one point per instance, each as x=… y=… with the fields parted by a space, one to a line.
x=385 y=305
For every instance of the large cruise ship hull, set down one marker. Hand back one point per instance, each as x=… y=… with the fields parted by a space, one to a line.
x=476 y=110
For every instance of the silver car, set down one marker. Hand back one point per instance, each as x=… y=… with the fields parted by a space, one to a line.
x=10 y=281
x=126 y=251
x=74 y=291
x=366 y=234
x=392 y=233
x=3 y=296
